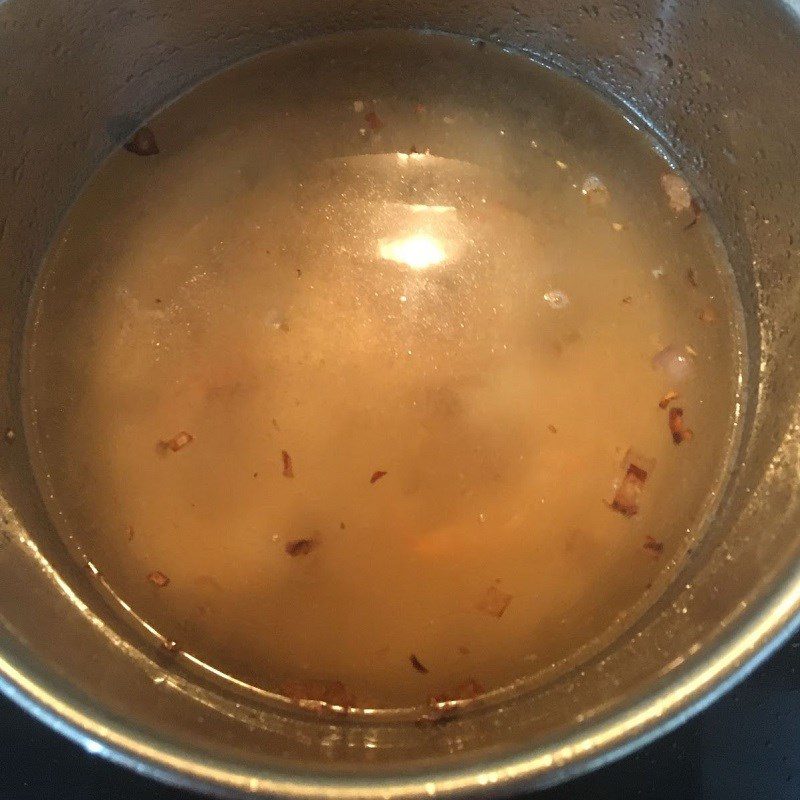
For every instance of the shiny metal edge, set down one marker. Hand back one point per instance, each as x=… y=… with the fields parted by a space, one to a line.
x=700 y=681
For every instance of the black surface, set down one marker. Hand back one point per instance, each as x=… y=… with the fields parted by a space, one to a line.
x=745 y=747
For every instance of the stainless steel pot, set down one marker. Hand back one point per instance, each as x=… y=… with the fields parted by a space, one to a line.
x=720 y=80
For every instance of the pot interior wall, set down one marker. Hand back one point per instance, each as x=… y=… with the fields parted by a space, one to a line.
x=719 y=81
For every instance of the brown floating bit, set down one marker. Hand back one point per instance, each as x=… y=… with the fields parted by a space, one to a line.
x=653 y=545
x=708 y=315
x=417 y=664
x=300 y=547
x=142 y=143
x=466 y=690
x=288 y=469
x=374 y=121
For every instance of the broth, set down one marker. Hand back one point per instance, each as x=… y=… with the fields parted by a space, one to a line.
x=352 y=390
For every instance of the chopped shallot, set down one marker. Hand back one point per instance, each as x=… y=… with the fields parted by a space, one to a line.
x=668 y=398
x=158 y=579
x=653 y=545
x=494 y=602
x=675 y=362
x=636 y=470
x=142 y=143
x=177 y=442
x=680 y=433
x=677 y=191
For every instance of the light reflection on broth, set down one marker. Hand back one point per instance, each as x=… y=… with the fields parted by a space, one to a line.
x=352 y=391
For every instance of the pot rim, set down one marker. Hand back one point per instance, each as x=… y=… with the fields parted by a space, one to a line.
x=688 y=689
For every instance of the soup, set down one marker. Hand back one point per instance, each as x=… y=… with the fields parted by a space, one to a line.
x=384 y=370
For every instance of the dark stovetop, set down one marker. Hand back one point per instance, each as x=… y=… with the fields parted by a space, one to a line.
x=745 y=747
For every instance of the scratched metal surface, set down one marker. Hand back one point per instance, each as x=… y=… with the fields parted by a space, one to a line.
x=744 y=747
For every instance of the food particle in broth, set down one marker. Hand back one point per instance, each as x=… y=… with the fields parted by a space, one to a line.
x=405 y=376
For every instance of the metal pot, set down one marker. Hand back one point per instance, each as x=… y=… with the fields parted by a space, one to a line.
x=721 y=82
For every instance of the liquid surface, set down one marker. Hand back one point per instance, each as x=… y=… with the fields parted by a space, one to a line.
x=339 y=389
